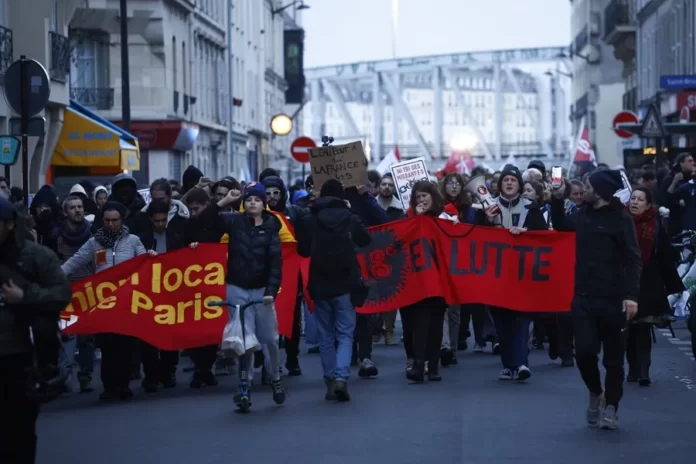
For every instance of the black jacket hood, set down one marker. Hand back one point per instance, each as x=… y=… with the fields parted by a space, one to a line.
x=332 y=212
x=277 y=182
x=190 y=177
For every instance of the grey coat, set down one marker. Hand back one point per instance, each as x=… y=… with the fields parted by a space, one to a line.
x=126 y=247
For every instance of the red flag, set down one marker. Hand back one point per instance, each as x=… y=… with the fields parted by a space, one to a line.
x=397 y=153
x=584 y=153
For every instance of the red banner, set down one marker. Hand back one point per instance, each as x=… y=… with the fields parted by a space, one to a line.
x=164 y=300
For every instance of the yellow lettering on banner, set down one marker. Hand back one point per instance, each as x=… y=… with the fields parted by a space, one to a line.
x=106 y=302
x=156 y=278
x=212 y=312
x=91 y=299
x=167 y=314
x=187 y=275
x=173 y=279
x=139 y=301
x=181 y=310
x=216 y=274
x=170 y=285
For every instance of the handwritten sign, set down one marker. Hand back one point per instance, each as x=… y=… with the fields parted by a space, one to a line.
x=345 y=163
x=405 y=175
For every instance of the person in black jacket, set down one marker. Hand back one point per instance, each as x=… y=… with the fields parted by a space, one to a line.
x=607 y=288
x=162 y=233
x=277 y=197
x=254 y=271
x=329 y=236
x=124 y=190
x=517 y=214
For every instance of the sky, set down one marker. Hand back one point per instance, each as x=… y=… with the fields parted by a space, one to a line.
x=345 y=31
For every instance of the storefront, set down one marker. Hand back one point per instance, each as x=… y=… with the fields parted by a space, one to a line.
x=91 y=148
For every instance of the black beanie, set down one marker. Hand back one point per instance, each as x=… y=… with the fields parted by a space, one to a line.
x=333 y=188
x=538 y=165
x=510 y=170
x=606 y=182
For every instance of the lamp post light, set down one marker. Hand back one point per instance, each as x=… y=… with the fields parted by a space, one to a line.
x=281 y=124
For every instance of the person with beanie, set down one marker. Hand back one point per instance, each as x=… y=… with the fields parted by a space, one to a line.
x=190 y=178
x=124 y=190
x=311 y=196
x=45 y=210
x=539 y=166
x=277 y=199
x=517 y=214
x=608 y=270
x=254 y=268
x=329 y=236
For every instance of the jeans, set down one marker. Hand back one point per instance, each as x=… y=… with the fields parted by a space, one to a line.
x=513 y=337
x=450 y=330
x=335 y=323
x=310 y=328
x=85 y=356
x=261 y=321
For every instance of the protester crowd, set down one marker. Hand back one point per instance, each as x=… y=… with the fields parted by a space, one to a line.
x=625 y=269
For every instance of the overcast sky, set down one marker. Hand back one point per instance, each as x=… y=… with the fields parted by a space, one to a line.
x=344 y=31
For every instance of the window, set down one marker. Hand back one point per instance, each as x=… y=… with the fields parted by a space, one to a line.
x=174 y=70
x=183 y=67
x=90 y=60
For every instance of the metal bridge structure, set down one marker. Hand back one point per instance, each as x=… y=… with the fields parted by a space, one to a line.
x=382 y=82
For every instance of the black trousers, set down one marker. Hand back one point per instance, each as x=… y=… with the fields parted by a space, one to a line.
x=292 y=345
x=600 y=325
x=158 y=364
x=478 y=316
x=204 y=357
x=428 y=317
x=364 y=328
x=19 y=411
x=407 y=326
x=639 y=347
x=558 y=327
x=117 y=360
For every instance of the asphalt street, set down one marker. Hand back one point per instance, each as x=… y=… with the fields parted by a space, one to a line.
x=468 y=418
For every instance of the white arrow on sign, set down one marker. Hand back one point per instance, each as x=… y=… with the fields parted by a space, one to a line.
x=300 y=150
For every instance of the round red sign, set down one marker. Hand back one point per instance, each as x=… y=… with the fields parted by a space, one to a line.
x=300 y=149
x=624 y=117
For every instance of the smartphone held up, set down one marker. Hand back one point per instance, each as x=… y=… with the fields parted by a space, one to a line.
x=556 y=177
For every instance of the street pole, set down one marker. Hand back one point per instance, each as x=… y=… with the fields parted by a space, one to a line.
x=230 y=88
x=125 y=72
x=24 y=96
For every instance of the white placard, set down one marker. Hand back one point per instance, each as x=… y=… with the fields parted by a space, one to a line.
x=405 y=175
x=625 y=193
x=145 y=193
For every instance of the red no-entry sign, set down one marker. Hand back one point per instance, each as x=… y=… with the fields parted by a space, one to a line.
x=624 y=117
x=300 y=149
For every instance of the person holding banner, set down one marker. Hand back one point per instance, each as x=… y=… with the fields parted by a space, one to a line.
x=607 y=288
x=517 y=214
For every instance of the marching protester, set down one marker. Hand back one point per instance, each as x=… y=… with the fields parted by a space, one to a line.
x=517 y=214
x=607 y=288
x=308 y=200
x=164 y=231
x=31 y=285
x=682 y=173
x=124 y=190
x=45 y=212
x=69 y=236
x=329 y=237
x=112 y=244
x=659 y=279
x=254 y=262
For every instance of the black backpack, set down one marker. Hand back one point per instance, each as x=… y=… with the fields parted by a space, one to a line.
x=333 y=251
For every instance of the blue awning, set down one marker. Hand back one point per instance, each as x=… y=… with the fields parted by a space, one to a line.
x=126 y=136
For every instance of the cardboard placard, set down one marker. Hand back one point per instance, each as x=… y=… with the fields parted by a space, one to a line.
x=345 y=163
x=405 y=175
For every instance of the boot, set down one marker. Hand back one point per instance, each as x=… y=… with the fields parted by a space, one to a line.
x=341 y=391
x=417 y=372
x=633 y=373
x=389 y=339
x=644 y=377
x=330 y=390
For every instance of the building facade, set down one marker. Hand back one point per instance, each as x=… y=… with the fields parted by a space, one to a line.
x=37 y=30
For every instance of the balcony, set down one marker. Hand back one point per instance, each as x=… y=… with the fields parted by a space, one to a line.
x=59 y=69
x=618 y=25
x=6 y=49
x=95 y=98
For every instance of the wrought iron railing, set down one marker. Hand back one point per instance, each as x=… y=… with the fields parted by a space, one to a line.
x=97 y=98
x=60 y=57
x=6 y=49
x=616 y=14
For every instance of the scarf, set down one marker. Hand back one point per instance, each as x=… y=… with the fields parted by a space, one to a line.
x=77 y=236
x=645 y=231
x=107 y=238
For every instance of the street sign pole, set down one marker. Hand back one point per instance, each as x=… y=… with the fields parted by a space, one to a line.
x=24 y=79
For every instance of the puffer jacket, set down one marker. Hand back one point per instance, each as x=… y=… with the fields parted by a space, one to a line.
x=35 y=269
x=126 y=247
x=254 y=255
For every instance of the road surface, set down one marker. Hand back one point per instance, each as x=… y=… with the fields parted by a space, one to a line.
x=469 y=418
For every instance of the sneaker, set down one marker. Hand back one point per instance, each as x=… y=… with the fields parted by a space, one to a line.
x=496 y=348
x=203 y=379
x=522 y=373
x=595 y=408
x=389 y=339
x=409 y=365
x=610 y=419
x=278 y=392
x=341 y=391
x=86 y=386
x=447 y=357
x=222 y=368
x=479 y=348
x=293 y=368
x=505 y=374
x=367 y=369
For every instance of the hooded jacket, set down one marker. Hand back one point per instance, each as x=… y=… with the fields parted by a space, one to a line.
x=330 y=217
x=176 y=226
x=254 y=255
x=134 y=206
x=292 y=213
x=46 y=222
x=47 y=292
x=190 y=178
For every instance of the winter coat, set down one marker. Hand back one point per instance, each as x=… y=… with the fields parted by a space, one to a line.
x=394 y=209
x=332 y=215
x=94 y=254
x=366 y=207
x=176 y=226
x=68 y=242
x=254 y=254
x=134 y=207
x=47 y=292
x=607 y=257
x=208 y=227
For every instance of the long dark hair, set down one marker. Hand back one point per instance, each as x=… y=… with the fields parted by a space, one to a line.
x=463 y=200
x=649 y=195
x=425 y=186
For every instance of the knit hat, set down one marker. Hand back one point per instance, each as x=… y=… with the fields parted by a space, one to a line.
x=255 y=189
x=606 y=182
x=298 y=194
x=8 y=212
x=510 y=170
x=537 y=164
x=333 y=188
x=309 y=182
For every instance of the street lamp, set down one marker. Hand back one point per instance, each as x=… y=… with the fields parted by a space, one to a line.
x=281 y=124
x=302 y=6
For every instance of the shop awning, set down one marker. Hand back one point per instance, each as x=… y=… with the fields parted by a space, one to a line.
x=88 y=140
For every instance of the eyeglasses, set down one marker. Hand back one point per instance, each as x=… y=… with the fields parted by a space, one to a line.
x=453 y=184
x=273 y=194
